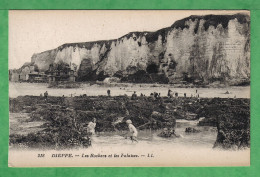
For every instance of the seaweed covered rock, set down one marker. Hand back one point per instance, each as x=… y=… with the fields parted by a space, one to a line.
x=213 y=107
x=166 y=133
x=233 y=128
x=208 y=122
x=62 y=130
x=191 y=130
x=43 y=139
x=65 y=117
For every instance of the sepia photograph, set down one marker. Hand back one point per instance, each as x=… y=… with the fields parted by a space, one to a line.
x=129 y=88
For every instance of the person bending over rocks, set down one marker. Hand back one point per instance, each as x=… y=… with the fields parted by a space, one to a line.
x=132 y=130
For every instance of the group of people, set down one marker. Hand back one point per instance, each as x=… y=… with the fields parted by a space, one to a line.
x=45 y=94
x=132 y=134
x=155 y=95
x=170 y=94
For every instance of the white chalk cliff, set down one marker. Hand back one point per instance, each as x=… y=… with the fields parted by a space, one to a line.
x=206 y=48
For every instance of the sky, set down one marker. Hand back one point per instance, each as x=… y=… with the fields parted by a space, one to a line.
x=35 y=31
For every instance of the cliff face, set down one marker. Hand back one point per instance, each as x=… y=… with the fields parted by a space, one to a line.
x=205 y=48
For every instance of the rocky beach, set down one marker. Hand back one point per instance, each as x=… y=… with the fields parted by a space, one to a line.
x=63 y=119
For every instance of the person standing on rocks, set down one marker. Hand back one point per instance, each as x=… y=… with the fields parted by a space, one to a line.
x=46 y=96
x=155 y=94
x=91 y=126
x=169 y=93
x=134 y=96
x=108 y=92
x=132 y=130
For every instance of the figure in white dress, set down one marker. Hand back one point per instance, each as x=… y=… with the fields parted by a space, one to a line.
x=91 y=127
x=132 y=130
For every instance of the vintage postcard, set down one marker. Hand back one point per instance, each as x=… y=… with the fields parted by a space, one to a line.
x=129 y=88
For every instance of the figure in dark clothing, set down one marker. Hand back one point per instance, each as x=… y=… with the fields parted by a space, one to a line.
x=62 y=99
x=45 y=96
x=152 y=96
x=169 y=93
x=185 y=95
x=134 y=96
x=108 y=92
x=155 y=94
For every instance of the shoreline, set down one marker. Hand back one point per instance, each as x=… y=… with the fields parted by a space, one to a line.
x=35 y=89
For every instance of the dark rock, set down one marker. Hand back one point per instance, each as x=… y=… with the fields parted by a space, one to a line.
x=208 y=122
x=191 y=130
x=166 y=133
x=233 y=129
